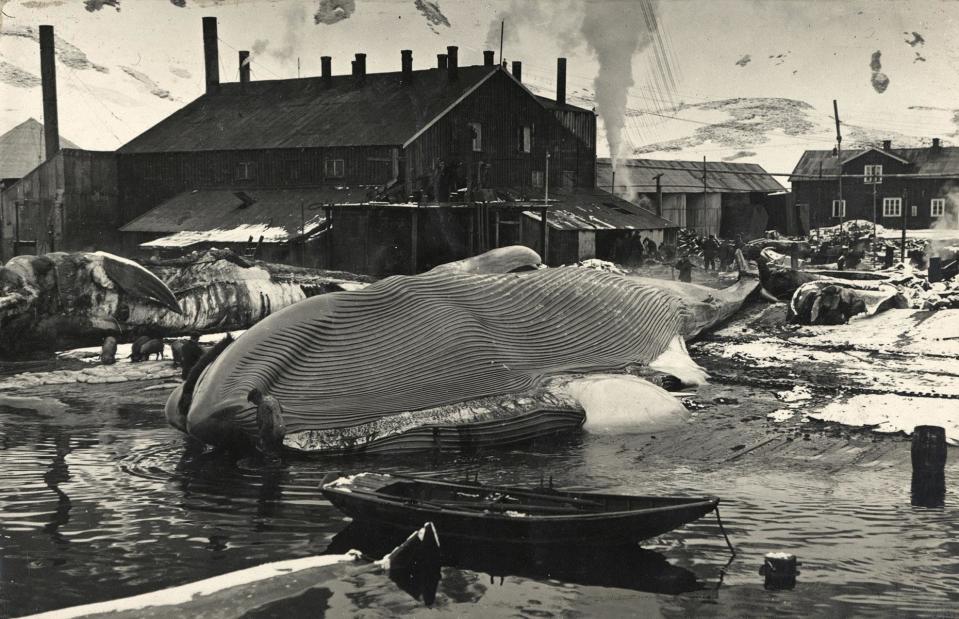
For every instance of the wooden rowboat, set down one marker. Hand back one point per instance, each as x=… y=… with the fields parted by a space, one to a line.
x=477 y=513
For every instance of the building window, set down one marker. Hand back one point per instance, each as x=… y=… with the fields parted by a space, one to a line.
x=334 y=168
x=476 y=130
x=537 y=178
x=838 y=208
x=892 y=207
x=525 y=139
x=913 y=211
x=872 y=174
x=937 y=207
x=244 y=171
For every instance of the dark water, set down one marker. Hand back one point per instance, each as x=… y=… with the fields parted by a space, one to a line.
x=99 y=499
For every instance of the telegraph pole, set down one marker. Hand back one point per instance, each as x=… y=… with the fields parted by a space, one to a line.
x=842 y=209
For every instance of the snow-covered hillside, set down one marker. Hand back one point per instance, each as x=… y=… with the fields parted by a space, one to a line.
x=749 y=81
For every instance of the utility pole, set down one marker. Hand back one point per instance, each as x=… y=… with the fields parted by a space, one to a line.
x=905 y=222
x=842 y=208
x=502 y=26
x=546 y=181
x=704 y=194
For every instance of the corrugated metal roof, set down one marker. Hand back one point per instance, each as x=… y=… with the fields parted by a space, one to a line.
x=944 y=161
x=595 y=209
x=275 y=213
x=303 y=113
x=687 y=176
x=22 y=149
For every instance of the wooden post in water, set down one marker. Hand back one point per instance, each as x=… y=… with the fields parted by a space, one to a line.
x=928 y=466
x=780 y=570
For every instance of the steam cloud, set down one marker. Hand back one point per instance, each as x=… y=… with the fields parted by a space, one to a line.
x=614 y=30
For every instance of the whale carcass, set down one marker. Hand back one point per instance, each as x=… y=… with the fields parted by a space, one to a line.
x=63 y=299
x=447 y=359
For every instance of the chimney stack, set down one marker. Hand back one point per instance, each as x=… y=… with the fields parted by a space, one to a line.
x=48 y=79
x=244 y=67
x=440 y=61
x=887 y=144
x=406 y=60
x=561 y=81
x=211 y=55
x=936 y=143
x=452 y=62
x=359 y=67
x=327 y=70
x=488 y=58
x=518 y=70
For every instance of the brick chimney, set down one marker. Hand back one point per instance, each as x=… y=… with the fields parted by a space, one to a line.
x=48 y=80
x=440 y=61
x=326 y=62
x=211 y=58
x=406 y=61
x=359 y=67
x=518 y=70
x=936 y=144
x=244 y=67
x=452 y=62
x=488 y=58
x=887 y=144
x=561 y=81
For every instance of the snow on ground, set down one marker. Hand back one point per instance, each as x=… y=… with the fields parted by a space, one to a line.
x=902 y=354
x=894 y=413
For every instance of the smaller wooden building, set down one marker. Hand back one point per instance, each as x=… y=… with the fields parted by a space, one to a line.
x=733 y=200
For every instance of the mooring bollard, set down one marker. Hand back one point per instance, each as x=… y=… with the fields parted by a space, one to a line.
x=935 y=269
x=780 y=570
x=928 y=466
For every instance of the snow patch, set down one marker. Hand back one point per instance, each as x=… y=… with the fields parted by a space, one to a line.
x=783 y=414
x=893 y=413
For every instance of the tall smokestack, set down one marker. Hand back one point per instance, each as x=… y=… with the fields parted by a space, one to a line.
x=440 y=61
x=452 y=62
x=360 y=67
x=406 y=61
x=327 y=71
x=561 y=81
x=488 y=58
x=518 y=70
x=48 y=78
x=244 y=67
x=211 y=57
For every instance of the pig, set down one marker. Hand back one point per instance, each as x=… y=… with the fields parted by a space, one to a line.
x=135 y=354
x=153 y=347
x=108 y=354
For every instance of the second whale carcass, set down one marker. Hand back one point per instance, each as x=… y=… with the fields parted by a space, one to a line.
x=448 y=359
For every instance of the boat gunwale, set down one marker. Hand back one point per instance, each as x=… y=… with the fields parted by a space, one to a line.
x=404 y=503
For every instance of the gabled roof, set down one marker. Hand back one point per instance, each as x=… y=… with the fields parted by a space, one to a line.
x=23 y=148
x=595 y=209
x=304 y=113
x=687 y=176
x=274 y=213
x=942 y=161
x=873 y=149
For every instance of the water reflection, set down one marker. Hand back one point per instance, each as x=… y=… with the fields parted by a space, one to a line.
x=627 y=567
x=59 y=473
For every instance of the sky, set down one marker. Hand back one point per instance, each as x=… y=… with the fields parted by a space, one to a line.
x=743 y=80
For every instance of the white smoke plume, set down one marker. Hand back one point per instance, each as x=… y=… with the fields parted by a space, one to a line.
x=616 y=32
x=293 y=19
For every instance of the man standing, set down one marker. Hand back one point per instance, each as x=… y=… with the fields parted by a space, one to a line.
x=710 y=251
x=270 y=426
x=685 y=267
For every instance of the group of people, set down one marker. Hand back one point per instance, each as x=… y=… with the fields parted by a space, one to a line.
x=717 y=255
x=633 y=249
